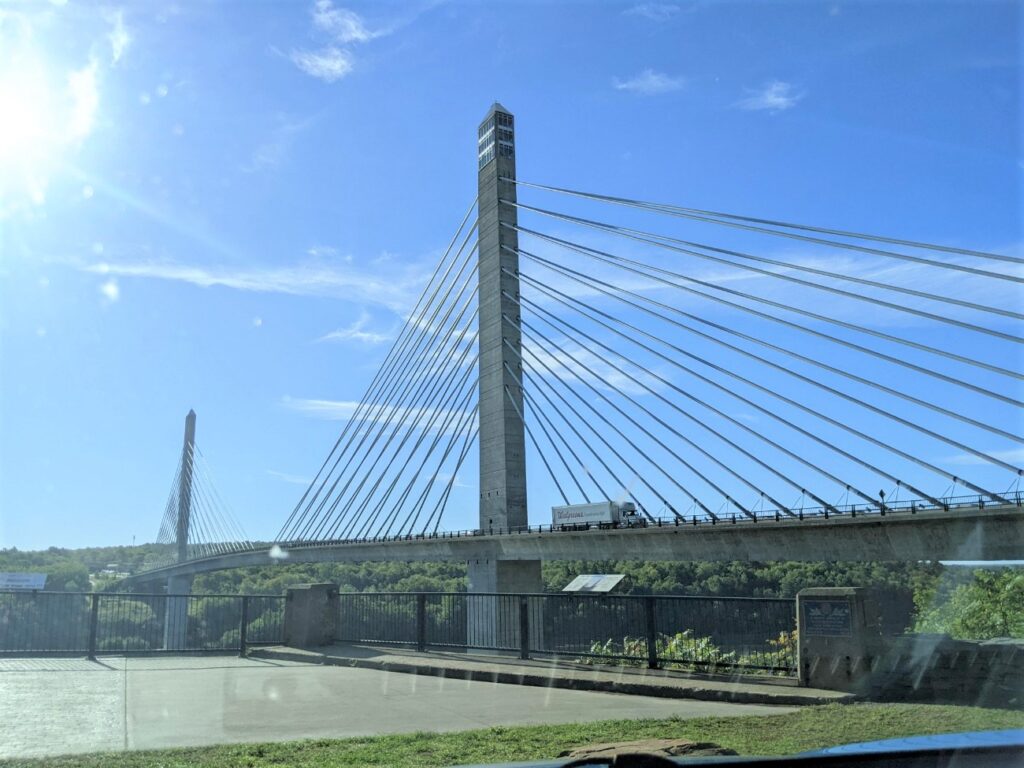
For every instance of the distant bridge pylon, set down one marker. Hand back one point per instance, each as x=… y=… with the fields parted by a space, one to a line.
x=197 y=523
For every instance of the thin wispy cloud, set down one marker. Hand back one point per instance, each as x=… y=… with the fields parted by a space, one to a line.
x=654 y=11
x=275 y=150
x=289 y=478
x=391 y=291
x=774 y=96
x=358 y=331
x=119 y=37
x=327 y=64
x=342 y=24
x=443 y=478
x=649 y=82
x=1010 y=456
x=342 y=410
x=578 y=364
x=341 y=28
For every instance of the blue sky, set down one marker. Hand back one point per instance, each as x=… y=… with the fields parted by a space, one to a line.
x=231 y=207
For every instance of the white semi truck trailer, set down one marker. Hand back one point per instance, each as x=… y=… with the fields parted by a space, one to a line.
x=601 y=514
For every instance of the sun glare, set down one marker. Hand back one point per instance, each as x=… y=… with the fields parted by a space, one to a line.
x=40 y=117
x=27 y=117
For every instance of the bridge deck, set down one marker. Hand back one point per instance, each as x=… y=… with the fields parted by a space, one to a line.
x=962 y=533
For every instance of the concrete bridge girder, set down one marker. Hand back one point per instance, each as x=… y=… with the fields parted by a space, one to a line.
x=993 y=533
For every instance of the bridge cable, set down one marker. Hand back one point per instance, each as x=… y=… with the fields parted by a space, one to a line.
x=619 y=432
x=743 y=399
x=464 y=427
x=394 y=351
x=442 y=501
x=200 y=536
x=637 y=424
x=826 y=418
x=583 y=441
x=664 y=242
x=457 y=402
x=543 y=418
x=551 y=319
x=705 y=216
x=414 y=396
x=623 y=394
x=772 y=413
x=170 y=517
x=924 y=430
x=832 y=369
x=554 y=445
x=536 y=445
x=456 y=398
x=440 y=395
x=233 y=525
x=462 y=430
x=791 y=307
x=408 y=396
x=398 y=378
x=457 y=410
x=411 y=369
x=538 y=378
x=600 y=256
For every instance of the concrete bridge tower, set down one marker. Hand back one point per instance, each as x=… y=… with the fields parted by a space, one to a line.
x=502 y=438
x=179 y=587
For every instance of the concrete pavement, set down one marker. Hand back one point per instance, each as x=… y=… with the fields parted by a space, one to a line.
x=60 y=706
x=552 y=673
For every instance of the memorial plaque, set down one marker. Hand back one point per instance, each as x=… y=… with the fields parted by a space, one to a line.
x=22 y=581
x=827 y=618
x=594 y=582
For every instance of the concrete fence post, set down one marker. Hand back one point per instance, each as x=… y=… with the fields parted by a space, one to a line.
x=524 y=627
x=94 y=619
x=311 y=615
x=243 y=626
x=421 y=621
x=651 y=622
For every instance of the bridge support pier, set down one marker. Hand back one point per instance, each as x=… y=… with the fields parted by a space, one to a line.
x=176 y=612
x=493 y=621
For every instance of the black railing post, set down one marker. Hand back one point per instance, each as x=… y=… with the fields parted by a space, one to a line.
x=94 y=620
x=652 y=633
x=524 y=627
x=421 y=621
x=243 y=626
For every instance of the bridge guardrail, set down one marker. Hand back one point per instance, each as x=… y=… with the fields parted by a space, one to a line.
x=702 y=633
x=78 y=623
x=910 y=506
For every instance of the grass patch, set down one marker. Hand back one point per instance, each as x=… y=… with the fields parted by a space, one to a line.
x=807 y=728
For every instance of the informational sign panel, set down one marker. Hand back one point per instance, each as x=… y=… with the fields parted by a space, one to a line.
x=594 y=582
x=827 y=618
x=22 y=580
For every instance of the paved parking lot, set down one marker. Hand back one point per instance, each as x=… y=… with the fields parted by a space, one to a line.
x=56 y=706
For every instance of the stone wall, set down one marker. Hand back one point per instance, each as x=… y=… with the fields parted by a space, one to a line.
x=938 y=668
x=852 y=639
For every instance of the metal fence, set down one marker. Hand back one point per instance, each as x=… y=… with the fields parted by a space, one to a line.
x=702 y=633
x=35 y=623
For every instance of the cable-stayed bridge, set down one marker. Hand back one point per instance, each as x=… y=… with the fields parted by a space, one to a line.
x=758 y=389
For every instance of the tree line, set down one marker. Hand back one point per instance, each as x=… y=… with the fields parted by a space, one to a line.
x=964 y=602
